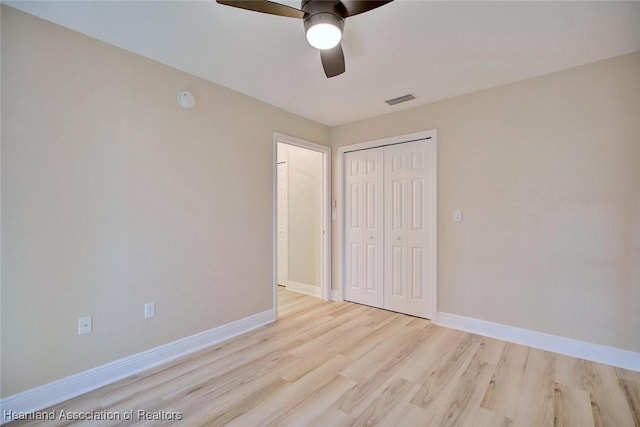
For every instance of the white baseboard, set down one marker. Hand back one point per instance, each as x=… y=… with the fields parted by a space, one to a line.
x=304 y=288
x=581 y=349
x=72 y=386
x=336 y=295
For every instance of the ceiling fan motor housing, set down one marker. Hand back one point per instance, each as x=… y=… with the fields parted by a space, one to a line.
x=319 y=12
x=311 y=7
x=323 y=18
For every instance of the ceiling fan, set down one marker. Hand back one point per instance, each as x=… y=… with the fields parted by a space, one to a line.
x=323 y=23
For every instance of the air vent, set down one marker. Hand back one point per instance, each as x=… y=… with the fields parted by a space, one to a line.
x=403 y=98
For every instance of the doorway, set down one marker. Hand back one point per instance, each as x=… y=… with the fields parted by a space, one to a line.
x=302 y=234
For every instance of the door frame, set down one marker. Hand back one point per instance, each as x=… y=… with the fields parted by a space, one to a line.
x=285 y=246
x=325 y=241
x=432 y=135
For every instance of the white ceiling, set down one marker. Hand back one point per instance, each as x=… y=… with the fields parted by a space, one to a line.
x=435 y=50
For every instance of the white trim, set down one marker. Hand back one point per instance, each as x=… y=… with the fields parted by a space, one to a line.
x=325 y=251
x=433 y=243
x=304 y=288
x=336 y=295
x=339 y=224
x=571 y=347
x=431 y=134
x=282 y=256
x=274 y=226
x=46 y=395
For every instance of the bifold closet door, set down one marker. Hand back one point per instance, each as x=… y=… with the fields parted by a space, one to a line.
x=408 y=190
x=364 y=227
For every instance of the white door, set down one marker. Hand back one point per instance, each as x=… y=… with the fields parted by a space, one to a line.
x=364 y=228
x=283 y=224
x=408 y=189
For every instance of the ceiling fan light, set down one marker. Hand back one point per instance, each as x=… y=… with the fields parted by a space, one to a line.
x=324 y=36
x=324 y=30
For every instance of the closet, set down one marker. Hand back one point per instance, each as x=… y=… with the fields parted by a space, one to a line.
x=389 y=228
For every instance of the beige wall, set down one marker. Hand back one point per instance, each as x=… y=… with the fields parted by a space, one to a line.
x=113 y=196
x=305 y=219
x=547 y=174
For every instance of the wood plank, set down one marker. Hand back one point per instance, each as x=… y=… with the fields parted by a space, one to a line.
x=490 y=350
x=218 y=411
x=631 y=390
x=291 y=395
x=332 y=417
x=572 y=406
x=373 y=370
x=406 y=414
x=344 y=330
x=384 y=403
x=607 y=397
x=459 y=401
x=446 y=370
x=609 y=403
x=426 y=357
x=487 y=418
x=391 y=326
x=628 y=375
x=316 y=404
x=503 y=393
x=536 y=401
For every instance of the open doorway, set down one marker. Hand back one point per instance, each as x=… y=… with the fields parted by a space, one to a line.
x=301 y=220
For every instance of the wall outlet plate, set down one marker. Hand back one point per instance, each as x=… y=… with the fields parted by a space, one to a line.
x=149 y=310
x=84 y=325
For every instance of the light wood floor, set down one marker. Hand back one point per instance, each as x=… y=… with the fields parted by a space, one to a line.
x=340 y=364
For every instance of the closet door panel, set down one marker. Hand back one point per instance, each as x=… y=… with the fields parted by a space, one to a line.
x=405 y=171
x=364 y=229
x=419 y=160
x=395 y=190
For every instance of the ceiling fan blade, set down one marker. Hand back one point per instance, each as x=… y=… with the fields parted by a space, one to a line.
x=355 y=7
x=264 y=6
x=332 y=61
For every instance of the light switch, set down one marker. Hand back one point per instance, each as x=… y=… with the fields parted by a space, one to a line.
x=457 y=215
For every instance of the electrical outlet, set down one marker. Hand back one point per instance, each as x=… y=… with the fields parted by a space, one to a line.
x=149 y=310
x=84 y=325
x=457 y=216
